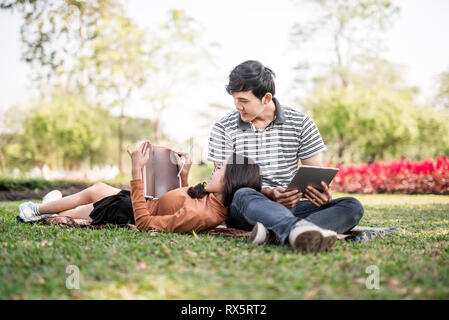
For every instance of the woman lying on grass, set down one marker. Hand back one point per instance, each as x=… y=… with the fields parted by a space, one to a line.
x=184 y=209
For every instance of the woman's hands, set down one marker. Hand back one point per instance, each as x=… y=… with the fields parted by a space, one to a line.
x=185 y=171
x=139 y=158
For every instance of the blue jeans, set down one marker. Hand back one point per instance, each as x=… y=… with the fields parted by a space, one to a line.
x=250 y=206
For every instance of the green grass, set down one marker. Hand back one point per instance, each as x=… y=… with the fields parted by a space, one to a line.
x=122 y=264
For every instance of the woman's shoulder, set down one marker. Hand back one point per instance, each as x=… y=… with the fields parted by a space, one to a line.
x=216 y=205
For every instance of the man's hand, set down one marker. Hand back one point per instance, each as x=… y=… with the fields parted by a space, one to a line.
x=288 y=199
x=319 y=198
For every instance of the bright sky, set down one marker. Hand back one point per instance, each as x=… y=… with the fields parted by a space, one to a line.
x=256 y=30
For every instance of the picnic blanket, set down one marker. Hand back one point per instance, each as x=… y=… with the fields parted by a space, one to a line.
x=356 y=234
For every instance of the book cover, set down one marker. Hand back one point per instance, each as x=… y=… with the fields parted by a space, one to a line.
x=160 y=174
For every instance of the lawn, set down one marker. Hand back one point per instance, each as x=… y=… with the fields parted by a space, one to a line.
x=123 y=264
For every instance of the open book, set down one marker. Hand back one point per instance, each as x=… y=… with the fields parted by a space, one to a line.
x=160 y=174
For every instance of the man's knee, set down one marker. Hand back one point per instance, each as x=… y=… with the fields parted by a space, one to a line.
x=357 y=210
x=243 y=193
x=236 y=217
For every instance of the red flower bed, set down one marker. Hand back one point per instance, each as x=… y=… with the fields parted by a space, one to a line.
x=400 y=176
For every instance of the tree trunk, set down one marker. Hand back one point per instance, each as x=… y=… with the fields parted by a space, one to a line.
x=83 y=37
x=2 y=157
x=158 y=131
x=340 y=70
x=340 y=149
x=60 y=83
x=121 y=129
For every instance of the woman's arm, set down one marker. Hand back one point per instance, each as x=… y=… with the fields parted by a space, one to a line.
x=184 y=180
x=138 y=160
x=185 y=219
x=185 y=171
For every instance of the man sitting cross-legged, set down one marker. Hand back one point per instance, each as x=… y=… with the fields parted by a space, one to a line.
x=276 y=137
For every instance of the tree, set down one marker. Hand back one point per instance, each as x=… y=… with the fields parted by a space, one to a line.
x=432 y=140
x=353 y=28
x=65 y=130
x=377 y=118
x=358 y=100
x=443 y=94
x=120 y=60
x=14 y=149
x=362 y=124
x=372 y=119
x=91 y=44
x=56 y=33
x=176 y=62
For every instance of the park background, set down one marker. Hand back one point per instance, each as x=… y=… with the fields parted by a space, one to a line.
x=79 y=80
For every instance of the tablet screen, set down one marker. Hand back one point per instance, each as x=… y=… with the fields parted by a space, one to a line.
x=312 y=176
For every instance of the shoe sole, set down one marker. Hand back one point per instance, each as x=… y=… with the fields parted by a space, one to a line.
x=308 y=241
x=256 y=235
x=26 y=220
x=327 y=242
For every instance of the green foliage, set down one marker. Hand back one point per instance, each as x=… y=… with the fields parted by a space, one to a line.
x=66 y=130
x=200 y=173
x=119 y=59
x=351 y=29
x=176 y=58
x=39 y=184
x=364 y=123
x=55 y=33
x=93 y=49
x=138 y=129
x=443 y=92
x=433 y=138
x=15 y=152
x=360 y=103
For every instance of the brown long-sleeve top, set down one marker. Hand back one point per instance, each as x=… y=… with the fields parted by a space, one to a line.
x=176 y=211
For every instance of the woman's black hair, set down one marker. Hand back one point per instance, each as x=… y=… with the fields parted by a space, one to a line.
x=240 y=172
x=252 y=75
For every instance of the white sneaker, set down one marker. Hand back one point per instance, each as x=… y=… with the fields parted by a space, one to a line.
x=309 y=238
x=305 y=237
x=261 y=235
x=52 y=196
x=27 y=213
x=329 y=239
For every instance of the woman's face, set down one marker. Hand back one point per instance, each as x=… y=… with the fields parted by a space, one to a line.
x=216 y=182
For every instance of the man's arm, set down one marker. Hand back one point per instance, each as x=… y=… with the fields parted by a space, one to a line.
x=314 y=160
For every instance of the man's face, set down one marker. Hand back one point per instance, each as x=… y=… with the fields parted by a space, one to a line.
x=248 y=105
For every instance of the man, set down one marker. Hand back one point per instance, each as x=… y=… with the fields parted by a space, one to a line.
x=276 y=137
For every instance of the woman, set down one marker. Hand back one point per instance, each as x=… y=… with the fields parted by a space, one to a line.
x=184 y=209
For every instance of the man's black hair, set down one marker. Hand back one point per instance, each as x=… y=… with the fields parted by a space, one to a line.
x=251 y=75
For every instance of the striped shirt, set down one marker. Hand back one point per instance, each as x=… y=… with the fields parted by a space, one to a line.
x=276 y=149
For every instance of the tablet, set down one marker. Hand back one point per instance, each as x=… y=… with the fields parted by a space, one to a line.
x=312 y=175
